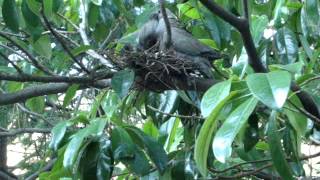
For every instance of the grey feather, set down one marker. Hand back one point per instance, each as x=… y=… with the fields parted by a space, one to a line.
x=148 y=35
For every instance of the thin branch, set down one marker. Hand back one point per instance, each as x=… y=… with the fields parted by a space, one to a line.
x=167 y=23
x=246 y=174
x=239 y=165
x=24 y=131
x=45 y=89
x=47 y=167
x=309 y=80
x=10 y=62
x=24 y=109
x=68 y=21
x=33 y=59
x=13 y=51
x=246 y=9
x=61 y=41
x=174 y=115
x=253 y=172
x=111 y=35
x=306 y=113
x=45 y=79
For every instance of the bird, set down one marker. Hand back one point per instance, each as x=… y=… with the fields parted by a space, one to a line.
x=185 y=45
x=147 y=35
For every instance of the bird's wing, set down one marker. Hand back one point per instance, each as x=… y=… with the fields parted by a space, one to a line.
x=184 y=42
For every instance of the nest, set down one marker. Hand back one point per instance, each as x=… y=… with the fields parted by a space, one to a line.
x=156 y=70
x=159 y=64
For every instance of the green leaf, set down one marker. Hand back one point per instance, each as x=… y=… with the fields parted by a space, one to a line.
x=214 y=96
x=56 y=5
x=276 y=150
x=28 y=14
x=34 y=6
x=287 y=45
x=71 y=92
x=270 y=88
x=154 y=149
x=228 y=131
x=189 y=11
x=294 y=68
x=95 y=128
x=97 y=2
x=174 y=138
x=298 y=121
x=14 y=86
x=204 y=138
x=10 y=14
x=309 y=18
x=127 y=152
x=209 y=42
x=259 y=24
x=48 y=7
x=43 y=46
x=97 y=161
x=58 y=133
x=111 y=103
x=93 y=14
x=122 y=81
x=165 y=102
x=36 y=104
x=150 y=129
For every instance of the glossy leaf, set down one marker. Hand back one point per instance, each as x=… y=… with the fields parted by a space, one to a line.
x=97 y=2
x=58 y=132
x=165 y=102
x=287 y=45
x=270 y=88
x=28 y=14
x=48 y=7
x=71 y=92
x=228 y=131
x=122 y=81
x=204 y=138
x=277 y=154
x=214 y=96
x=36 y=104
x=43 y=46
x=259 y=24
x=10 y=14
x=298 y=121
x=94 y=129
x=150 y=129
x=154 y=150
x=189 y=11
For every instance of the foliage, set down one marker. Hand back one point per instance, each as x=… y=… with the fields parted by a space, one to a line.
x=59 y=59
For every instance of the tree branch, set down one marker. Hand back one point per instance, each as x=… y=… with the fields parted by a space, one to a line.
x=167 y=23
x=242 y=25
x=61 y=41
x=47 y=167
x=246 y=9
x=24 y=131
x=45 y=89
x=33 y=59
x=10 y=62
x=84 y=37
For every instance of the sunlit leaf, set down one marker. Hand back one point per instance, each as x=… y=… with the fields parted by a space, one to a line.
x=204 y=138
x=228 y=131
x=122 y=82
x=214 y=96
x=277 y=154
x=270 y=88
